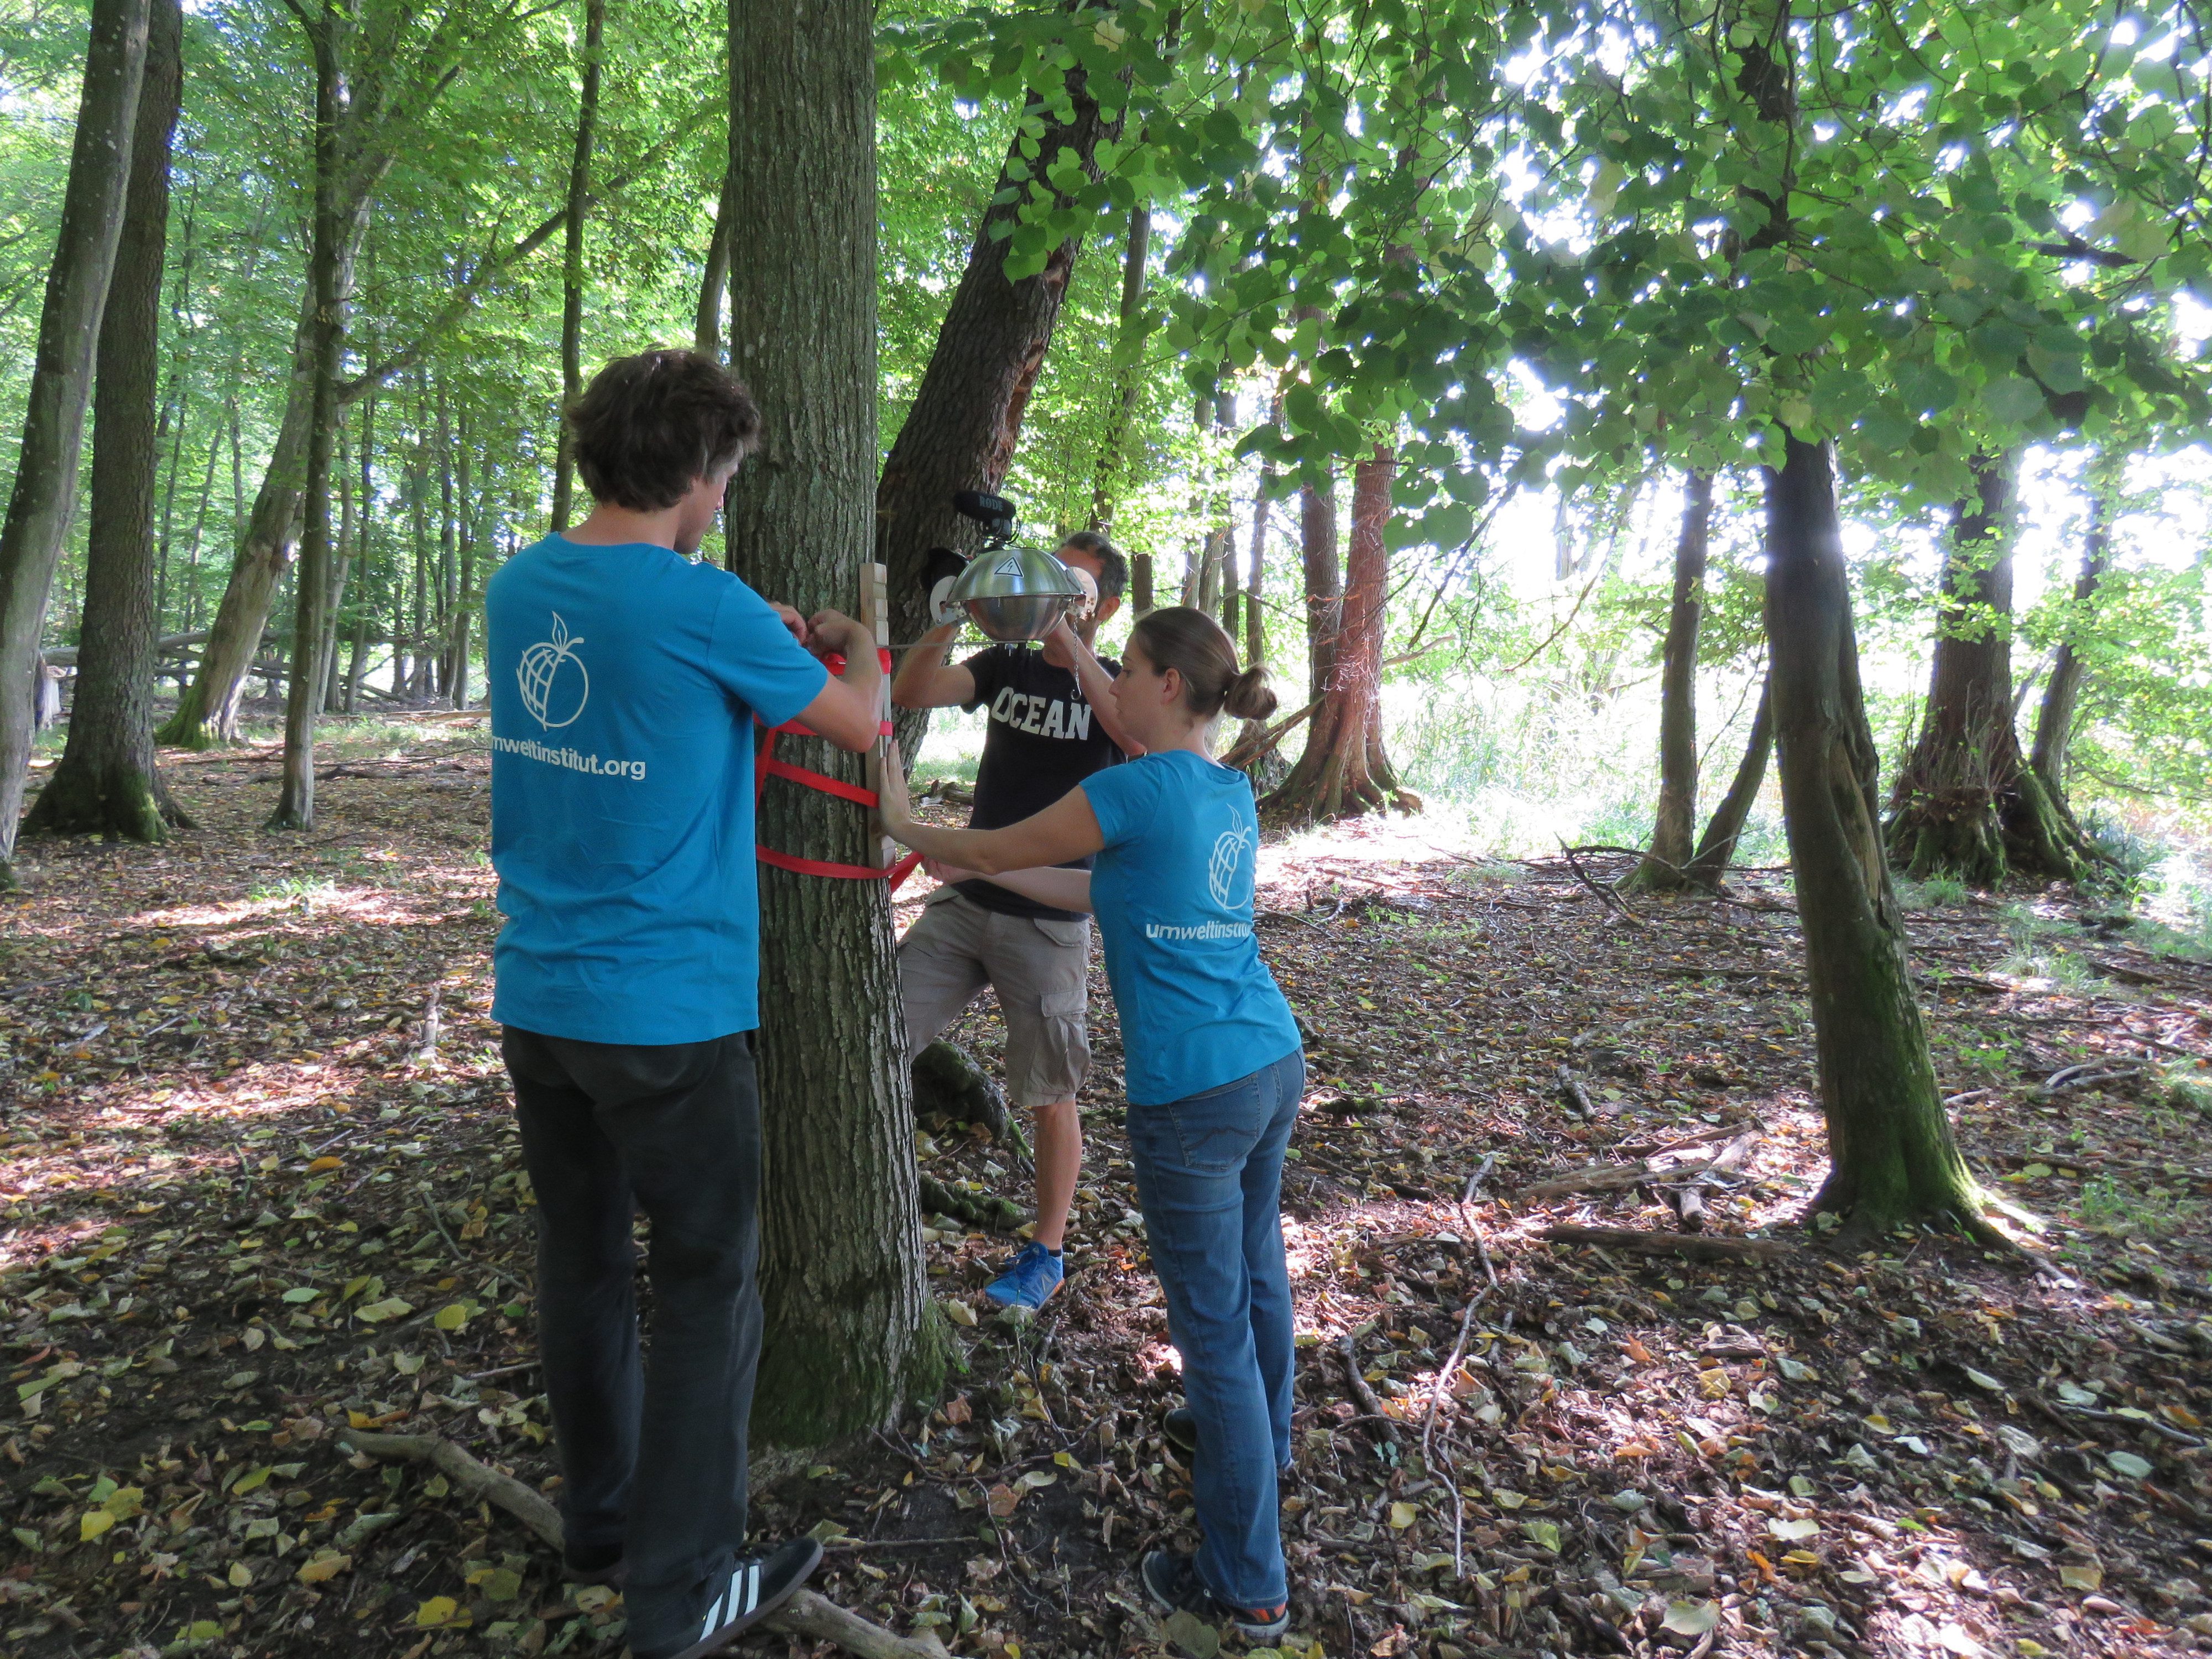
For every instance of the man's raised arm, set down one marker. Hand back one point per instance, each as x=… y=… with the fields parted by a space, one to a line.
x=924 y=680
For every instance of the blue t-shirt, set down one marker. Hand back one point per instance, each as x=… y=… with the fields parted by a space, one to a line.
x=1173 y=894
x=625 y=682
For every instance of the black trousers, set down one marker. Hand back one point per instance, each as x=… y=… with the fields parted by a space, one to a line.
x=652 y=1459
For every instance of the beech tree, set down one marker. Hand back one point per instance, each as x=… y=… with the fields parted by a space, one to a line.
x=45 y=496
x=1666 y=863
x=107 y=782
x=1965 y=803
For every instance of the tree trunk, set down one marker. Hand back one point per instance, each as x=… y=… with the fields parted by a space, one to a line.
x=1965 y=804
x=1666 y=866
x=1140 y=586
x=1344 y=771
x=1232 y=589
x=847 y=1331
x=714 y=281
x=1324 y=584
x=572 y=258
x=1716 y=847
x=1113 y=452
x=966 y=417
x=1892 y=1158
x=105 y=782
x=45 y=495
x=295 y=801
x=1256 y=587
x=2054 y=718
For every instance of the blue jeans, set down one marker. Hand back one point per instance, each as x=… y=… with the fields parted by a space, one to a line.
x=1210 y=1177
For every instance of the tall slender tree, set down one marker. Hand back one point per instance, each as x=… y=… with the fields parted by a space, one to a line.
x=329 y=269
x=1666 y=863
x=842 y=1271
x=105 y=782
x=45 y=496
x=572 y=254
x=2062 y=692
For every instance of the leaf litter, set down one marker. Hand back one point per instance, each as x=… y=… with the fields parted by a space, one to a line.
x=261 y=1188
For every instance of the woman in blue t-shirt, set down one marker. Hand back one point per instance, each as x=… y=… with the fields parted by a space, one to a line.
x=1214 y=1074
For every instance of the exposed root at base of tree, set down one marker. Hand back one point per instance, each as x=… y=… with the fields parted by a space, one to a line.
x=806 y=1614
x=1862 y=1229
x=984 y=1210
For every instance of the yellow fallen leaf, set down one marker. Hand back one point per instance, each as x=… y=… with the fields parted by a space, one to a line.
x=322 y=1567
x=960 y=1313
x=2078 y=1575
x=325 y=1163
x=92 y=1523
x=240 y=1576
x=451 y=1317
x=1403 y=1515
x=440 y=1612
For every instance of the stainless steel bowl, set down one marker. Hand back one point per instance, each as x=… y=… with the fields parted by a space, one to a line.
x=1021 y=616
x=1016 y=593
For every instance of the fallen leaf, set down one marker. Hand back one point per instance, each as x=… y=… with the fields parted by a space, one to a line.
x=323 y=1566
x=1692 y=1618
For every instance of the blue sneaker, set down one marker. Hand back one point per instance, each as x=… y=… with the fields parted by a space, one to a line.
x=1031 y=1278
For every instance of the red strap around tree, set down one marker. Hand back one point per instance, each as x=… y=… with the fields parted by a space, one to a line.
x=766 y=766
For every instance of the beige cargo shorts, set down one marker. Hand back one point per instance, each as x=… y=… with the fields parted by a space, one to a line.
x=1040 y=971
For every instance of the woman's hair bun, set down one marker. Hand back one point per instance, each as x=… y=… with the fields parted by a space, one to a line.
x=1249 y=699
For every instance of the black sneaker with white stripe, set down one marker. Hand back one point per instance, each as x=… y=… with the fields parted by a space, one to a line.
x=757 y=1586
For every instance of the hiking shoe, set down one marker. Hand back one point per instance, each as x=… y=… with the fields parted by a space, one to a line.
x=1179 y=1428
x=757 y=1586
x=1032 y=1277
x=601 y=1566
x=1173 y=1582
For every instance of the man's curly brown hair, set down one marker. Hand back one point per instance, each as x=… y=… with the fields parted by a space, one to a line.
x=648 y=426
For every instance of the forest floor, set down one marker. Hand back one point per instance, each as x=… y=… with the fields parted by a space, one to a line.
x=260 y=1185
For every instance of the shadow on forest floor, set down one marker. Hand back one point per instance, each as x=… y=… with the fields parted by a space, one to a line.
x=260 y=1185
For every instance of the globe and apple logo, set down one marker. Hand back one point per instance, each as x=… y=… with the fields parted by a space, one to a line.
x=555 y=684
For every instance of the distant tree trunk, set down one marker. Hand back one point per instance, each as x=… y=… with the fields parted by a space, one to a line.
x=1965 y=804
x=1892 y=1158
x=572 y=258
x=847 y=1337
x=1666 y=866
x=714 y=281
x=44 y=494
x=105 y=782
x=1324 y=581
x=966 y=417
x=2054 y=718
x=1256 y=587
x=1345 y=771
x=1140 y=585
x=295 y=802
x=1716 y=847
x=1128 y=389
x=1232 y=589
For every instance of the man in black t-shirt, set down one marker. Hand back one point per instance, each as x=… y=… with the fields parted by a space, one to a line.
x=1052 y=725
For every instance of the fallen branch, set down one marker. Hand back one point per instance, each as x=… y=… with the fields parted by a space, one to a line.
x=1690 y=1200
x=1386 y=1430
x=1609 y=1178
x=1605 y=896
x=1574 y=1096
x=1695 y=1245
x=806 y=1614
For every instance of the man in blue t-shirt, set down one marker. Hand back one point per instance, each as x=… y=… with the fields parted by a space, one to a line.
x=625 y=683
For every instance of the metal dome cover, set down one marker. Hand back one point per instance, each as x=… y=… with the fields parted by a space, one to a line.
x=1016 y=593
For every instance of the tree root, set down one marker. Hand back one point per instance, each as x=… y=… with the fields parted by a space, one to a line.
x=806 y=1614
x=984 y=1210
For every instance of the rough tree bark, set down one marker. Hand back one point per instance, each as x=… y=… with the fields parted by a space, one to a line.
x=1324 y=580
x=848 y=1332
x=105 y=782
x=1965 y=804
x=327 y=292
x=1891 y=1157
x=45 y=495
x=572 y=258
x=2054 y=717
x=966 y=417
x=1345 y=771
x=1666 y=866
x=1716 y=847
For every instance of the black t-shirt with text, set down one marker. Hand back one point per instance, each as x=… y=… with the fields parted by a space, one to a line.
x=1044 y=739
